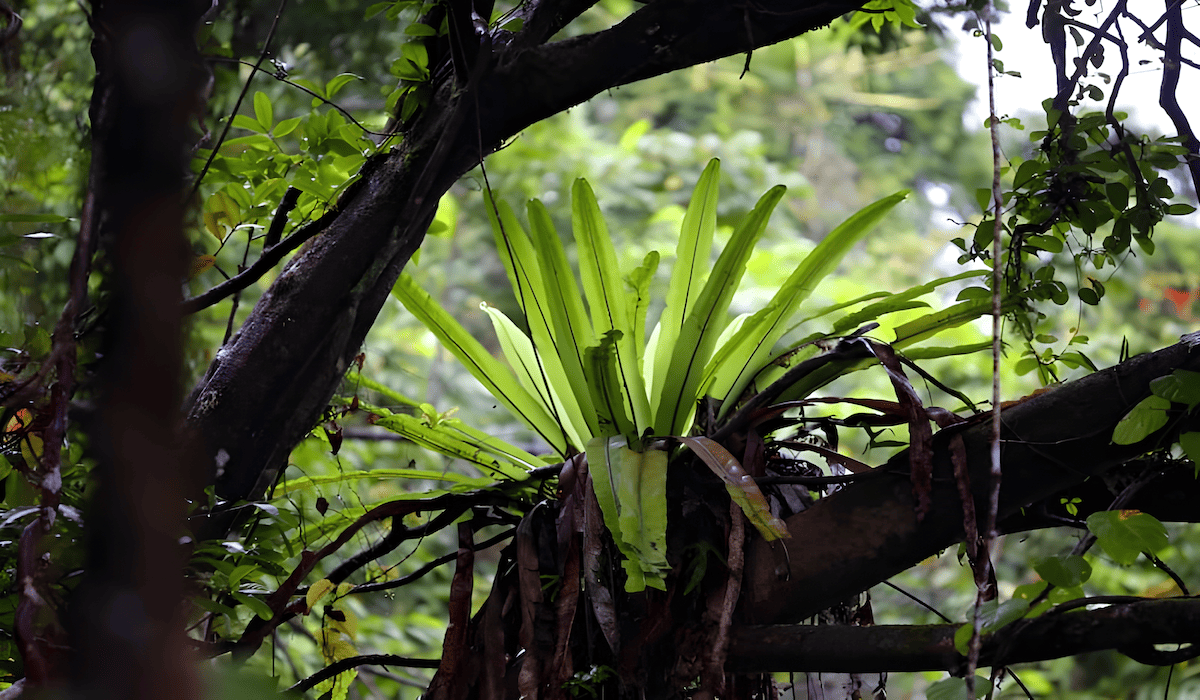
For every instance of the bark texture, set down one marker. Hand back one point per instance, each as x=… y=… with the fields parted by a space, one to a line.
x=868 y=532
x=1130 y=627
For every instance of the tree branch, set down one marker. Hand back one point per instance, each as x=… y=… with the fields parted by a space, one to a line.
x=867 y=532
x=847 y=649
x=355 y=661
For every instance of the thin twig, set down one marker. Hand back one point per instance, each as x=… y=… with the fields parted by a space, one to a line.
x=242 y=96
x=278 y=76
x=266 y=261
x=354 y=661
x=430 y=566
x=989 y=532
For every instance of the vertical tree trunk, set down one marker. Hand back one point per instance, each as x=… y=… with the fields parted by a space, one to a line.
x=127 y=637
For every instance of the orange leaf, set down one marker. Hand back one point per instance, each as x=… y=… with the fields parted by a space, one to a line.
x=200 y=263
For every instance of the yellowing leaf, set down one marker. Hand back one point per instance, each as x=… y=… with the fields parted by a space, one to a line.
x=219 y=210
x=200 y=263
x=316 y=592
x=741 y=486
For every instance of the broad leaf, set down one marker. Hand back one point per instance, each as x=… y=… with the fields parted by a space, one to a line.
x=1064 y=570
x=1123 y=534
x=608 y=398
x=638 y=301
x=631 y=488
x=1181 y=386
x=1147 y=416
x=543 y=375
x=490 y=372
x=565 y=303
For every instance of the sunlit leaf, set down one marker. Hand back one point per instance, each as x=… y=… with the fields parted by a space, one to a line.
x=263 y=111
x=317 y=592
x=685 y=371
x=543 y=375
x=490 y=372
x=689 y=271
x=200 y=263
x=737 y=362
x=631 y=488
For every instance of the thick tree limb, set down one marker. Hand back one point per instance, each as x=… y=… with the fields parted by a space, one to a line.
x=867 y=532
x=848 y=649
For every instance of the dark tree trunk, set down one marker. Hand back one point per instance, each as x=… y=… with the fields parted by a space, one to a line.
x=126 y=617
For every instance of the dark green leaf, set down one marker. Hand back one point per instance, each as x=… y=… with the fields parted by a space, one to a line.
x=1125 y=534
x=1064 y=570
x=1147 y=416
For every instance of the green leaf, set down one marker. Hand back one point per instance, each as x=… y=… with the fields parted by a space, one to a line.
x=263 y=111
x=1181 y=386
x=633 y=134
x=992 y=616
x=543 y=375
x=291 y=486
x=494 y=457
x=740 y=485
x=1190 y=442
x=490 y=372
x=212 y=606
x=393 y=396
x=604 y=290
x=684 y=373
x=929 y=325
x=556 y=347
x=691 y=268
x=1064 y=570
x=241 y=121
x=375 y=8
x=604 y=384
x=735 y=364
x=258 y=605
x=338 y=82
x=638 y=300
x=934 y=352
x=417 y=29
x=631 y=488
x=901 y=301
x=1145 y=418
x=565 y=303
x=239 y=573
x=1123 y=534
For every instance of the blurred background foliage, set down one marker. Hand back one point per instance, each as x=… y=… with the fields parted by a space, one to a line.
x=842 y=117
